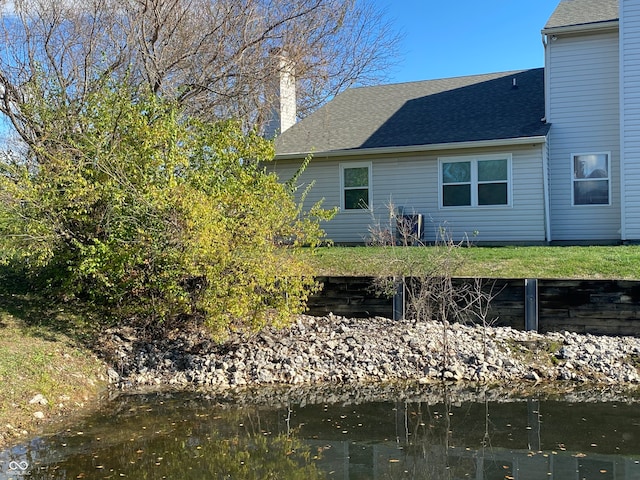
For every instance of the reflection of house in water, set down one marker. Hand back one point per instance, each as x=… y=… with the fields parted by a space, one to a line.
x=349 y=461
x=482 y=441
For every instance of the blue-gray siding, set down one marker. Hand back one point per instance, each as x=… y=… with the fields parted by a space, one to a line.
x=411 y=182
x=583 y=108
x=630 y=116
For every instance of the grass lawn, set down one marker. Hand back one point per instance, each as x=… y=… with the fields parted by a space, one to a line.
x=589 y=262
x=40 y=354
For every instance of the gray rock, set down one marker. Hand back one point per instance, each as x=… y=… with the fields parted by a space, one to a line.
x=38 y=399
x=335 y=349
x=113 y=376
x=532 y=376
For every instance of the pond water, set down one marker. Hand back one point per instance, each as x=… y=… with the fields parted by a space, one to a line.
x=430 y=436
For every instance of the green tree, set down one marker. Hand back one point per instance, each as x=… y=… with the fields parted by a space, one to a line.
x=131 y=206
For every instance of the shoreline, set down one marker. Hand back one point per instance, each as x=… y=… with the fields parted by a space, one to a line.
x=339 y=351
x=338 y=359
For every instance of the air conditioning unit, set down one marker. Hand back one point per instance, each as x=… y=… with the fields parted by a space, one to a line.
x=409 y=229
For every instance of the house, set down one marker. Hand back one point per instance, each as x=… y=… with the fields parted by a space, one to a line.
x=548 y=155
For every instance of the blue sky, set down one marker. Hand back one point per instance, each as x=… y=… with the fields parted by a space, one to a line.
x=450 y=38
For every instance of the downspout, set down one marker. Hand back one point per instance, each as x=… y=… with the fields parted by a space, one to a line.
x=545 y=145
x=545 y=187
x=621 y=99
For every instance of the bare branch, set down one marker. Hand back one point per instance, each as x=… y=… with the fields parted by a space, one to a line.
x=214 y=57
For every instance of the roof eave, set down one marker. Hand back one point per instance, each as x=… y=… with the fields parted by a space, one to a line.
x=417 y=148
x=582 y=28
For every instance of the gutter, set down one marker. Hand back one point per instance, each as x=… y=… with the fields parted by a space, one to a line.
x=581 y=28
x=416 y=148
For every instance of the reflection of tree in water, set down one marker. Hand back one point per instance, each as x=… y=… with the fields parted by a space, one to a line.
x=433 y=448
x=244 y=457
x=424 y=433
x=245 y=446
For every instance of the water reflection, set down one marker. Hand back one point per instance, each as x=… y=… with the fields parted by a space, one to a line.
x=193 y=436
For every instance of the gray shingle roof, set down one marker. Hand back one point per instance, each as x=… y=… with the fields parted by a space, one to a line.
x=462 y=109
x=582 y=12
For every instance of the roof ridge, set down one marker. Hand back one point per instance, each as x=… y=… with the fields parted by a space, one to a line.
x=457 y=77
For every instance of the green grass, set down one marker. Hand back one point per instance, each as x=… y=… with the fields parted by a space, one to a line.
x=589 y=262
x=43 y=350
x=42 y=361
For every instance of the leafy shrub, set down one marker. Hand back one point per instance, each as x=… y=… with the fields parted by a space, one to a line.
x=128 y=205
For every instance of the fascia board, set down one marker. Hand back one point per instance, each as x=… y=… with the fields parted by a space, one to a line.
x=599 y=27
x=417 y=148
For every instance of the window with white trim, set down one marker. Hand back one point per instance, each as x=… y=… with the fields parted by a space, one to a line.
x=475 y=181
x=355 y=179
x=591 y=173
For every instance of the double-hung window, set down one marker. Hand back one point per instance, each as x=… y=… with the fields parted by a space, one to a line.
x=355 y=179
x=475 y=181
x=591 y=173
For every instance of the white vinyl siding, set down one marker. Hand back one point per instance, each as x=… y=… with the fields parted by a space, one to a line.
x=410 y=183
x=584 y=115
x=630 y=116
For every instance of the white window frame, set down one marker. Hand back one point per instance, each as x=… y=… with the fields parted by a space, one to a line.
x=343 y=167
x=573 y=180
x=474 y=159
